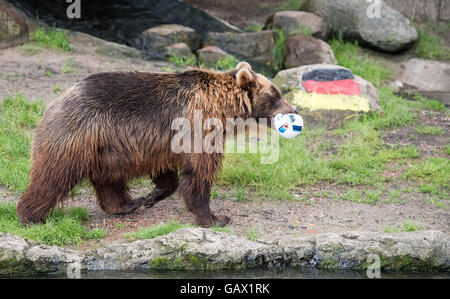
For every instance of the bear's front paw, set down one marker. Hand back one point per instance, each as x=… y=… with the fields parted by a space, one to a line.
x=221 y=220
x=212 y=221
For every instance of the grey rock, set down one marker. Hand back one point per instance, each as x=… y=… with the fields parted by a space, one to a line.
x=427 y=77
x=417 y=10
x=303 y=50
x=210 y=55
x=255 y=47
x=359 y=19
x=293 y=21
x=154 y=41
x=444 y=11
x=290 y=83
x=14 y=25
x=179 y=49
x=198 y=248
x=123 y=21
x=81 y=41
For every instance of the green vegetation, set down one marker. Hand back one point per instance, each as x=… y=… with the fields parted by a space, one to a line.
x=254 y=27
x=302 y=29
x=288 y=5
x=18 y=119
x=433 y=174
x=63 y=227
x=279 y=50
x=430 y=46
x=183 y=60
x=226 y=64
x=350 y=55
x=407 y=226
x=429 y=130
x=252 y=234
x=157 y=230
x=51 y=38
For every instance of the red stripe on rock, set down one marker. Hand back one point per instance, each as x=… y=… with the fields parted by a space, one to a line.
x=344 y=87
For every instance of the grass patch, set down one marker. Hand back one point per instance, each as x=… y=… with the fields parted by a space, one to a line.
x=287 y=5
x=430 y=46
x=63 y=227
x=433 y=174
x=183 y=60
x=51 y=38
x=156 y=231
x=350 y=55
x=254 y=27
x=226 y=63
x=279 y=50
x=252 y=234
x=407 y=226
x=18 y=119
x=429 y=130
x=429 y=104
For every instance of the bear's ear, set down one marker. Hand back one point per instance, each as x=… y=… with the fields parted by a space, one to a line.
x=243 y=65
x=244 y=78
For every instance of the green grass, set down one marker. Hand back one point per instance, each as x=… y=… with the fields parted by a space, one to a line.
x=429 y=130
x=429 y=104
x=183 y=60
x=287 y=5
x=51 y=38
x=279 y=50
x=18 y=118
x=156 y=231
x=350 y=55
x=254 y=27
x=433 y=174
x=253 y=234
x=407 y=226
x=430 y=46
x=226 y=64
x=63 y=227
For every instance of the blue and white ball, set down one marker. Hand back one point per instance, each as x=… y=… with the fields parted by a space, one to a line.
x=288 y=125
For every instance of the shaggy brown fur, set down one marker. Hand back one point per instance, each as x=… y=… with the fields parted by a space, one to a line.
x=112 y=127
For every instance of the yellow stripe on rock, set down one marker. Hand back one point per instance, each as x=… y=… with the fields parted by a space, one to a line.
x=316 y=101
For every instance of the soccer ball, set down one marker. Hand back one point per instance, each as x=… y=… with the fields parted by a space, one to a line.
x=288 y=125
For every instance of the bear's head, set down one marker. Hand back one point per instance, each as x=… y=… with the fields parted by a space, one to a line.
x=264 y=97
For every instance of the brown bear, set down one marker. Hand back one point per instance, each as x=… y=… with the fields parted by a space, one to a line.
x=115 y=126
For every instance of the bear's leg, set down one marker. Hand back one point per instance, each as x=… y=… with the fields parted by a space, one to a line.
x=113 y=198
x=165 y=185
x=196 y=195
x=48 y=186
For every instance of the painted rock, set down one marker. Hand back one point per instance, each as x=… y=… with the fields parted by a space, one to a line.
x=327 y=94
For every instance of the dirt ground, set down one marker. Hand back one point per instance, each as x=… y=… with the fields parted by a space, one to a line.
x=46 y=74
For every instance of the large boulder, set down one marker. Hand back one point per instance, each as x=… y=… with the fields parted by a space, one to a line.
x=154 y=41
x=14 y=25
x=123 y=21
x=427 y=77
x=373 y=24
x=303 y=50
x=322 y=107
x=444 y=11
x=293 y=22
x=418 y=10
x=254 y=47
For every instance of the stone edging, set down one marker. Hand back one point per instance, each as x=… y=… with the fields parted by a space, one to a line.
x=203 y=249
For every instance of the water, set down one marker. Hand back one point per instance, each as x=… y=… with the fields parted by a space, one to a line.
x=253 y=274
